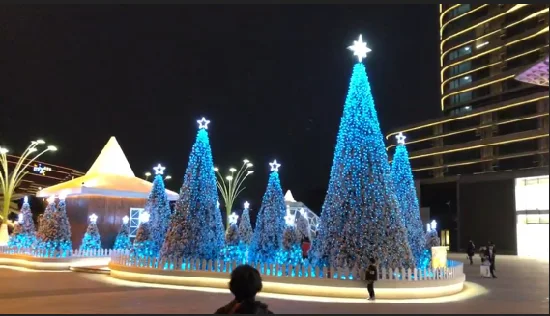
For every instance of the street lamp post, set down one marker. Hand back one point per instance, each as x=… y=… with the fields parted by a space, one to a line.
x=147 y=175
x=10 y=180
x=231 y=186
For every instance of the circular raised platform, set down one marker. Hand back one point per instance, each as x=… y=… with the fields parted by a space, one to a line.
x=445 y=284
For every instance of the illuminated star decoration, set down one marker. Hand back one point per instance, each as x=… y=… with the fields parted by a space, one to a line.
x=289 y=219
x=125 y=219
x=159 y=169
x=303 y=212
x=26 y=199
x=433 y=225
x=359 y=48
x=51 y=199
x=93 y=218
x=20 y=218
x=218 y=204
x=233 y=218
x=203 y=123
x=246 y=205
x=144 y=217
x=400 y=138
x=275 y=166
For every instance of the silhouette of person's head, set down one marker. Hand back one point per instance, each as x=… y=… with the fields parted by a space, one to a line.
x=245 y=283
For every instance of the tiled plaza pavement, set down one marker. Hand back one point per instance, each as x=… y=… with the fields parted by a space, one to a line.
x=522 y=287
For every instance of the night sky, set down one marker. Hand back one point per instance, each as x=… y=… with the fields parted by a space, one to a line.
x=272 y=79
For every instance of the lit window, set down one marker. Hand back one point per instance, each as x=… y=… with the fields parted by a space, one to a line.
x=134 y=220
x=463 y=8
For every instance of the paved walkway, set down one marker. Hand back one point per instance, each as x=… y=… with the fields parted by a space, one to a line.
x=522 y=287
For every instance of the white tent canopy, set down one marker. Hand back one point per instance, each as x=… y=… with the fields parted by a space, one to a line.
x=110 y=175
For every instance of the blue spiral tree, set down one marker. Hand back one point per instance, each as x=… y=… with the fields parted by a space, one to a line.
x=122 y=241
x=360 y=217
x=91 y=239
x=25 y=235
x=266 y=244
x=196 y=229
x=405 y=190
x=158 y=207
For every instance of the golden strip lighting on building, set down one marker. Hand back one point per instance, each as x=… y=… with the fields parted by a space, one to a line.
x=473 y=129
x=487 y=66
x=541 y=31
x=467 y=116
x=458 y=17
x=475 y=87
x=445 y=12
x=443 y=53
x=479 y=146
x=472 y=162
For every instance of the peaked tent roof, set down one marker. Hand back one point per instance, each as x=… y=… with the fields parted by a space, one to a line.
x=110 y=175
x=289 y=197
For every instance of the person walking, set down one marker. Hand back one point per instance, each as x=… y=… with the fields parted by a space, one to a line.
x=245 y=283
x=371 y=275
x=490 y=256
x=471 y=251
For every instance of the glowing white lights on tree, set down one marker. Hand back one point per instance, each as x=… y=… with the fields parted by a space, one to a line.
x=20 y=218
x=51 y=199
x=26 y=199
x=400 y=138
x=125 y=219
x=93 y=219
x=203 y=123
x=233 y=218
x=359 y=48
x=159 y=169
x=144 y=217
x=275 y=166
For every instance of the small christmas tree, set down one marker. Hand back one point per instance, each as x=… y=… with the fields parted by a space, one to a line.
x=196 y=230
x=143 y=243
x=24 y=234
x=266 y=242
x=302 y=225
x=245 y=228
x=291 y=251
x=91 y=239
x=159 y=208
x=122 y=241
x=431 y=238
x=233 y=247
x=54 y=233
x=406 y=192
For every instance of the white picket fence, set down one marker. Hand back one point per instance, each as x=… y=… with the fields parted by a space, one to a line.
x=454 y=269
x=44 y=253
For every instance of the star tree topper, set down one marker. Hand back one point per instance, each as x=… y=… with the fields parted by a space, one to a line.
x=359 y=48
x=203 y=123
x=246 y=205
x=93 y=218
x=159 y=169
x=233 y=218
x=400 y=138
x=275 y=166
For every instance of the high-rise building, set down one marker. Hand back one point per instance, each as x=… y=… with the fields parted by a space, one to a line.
x=482 y=167
x=490 y=121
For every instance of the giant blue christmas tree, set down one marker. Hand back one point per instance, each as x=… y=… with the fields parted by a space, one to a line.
x=196 y=230
x=360 y=217
x=405 y=191
x=266 y=244
x=158 y=208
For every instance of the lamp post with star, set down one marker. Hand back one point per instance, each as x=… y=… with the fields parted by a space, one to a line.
x=232 y=185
